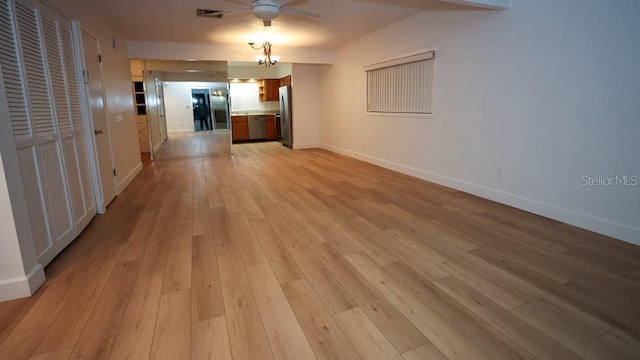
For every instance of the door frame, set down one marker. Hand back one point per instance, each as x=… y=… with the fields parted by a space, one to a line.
x=203 y=92
x=161 y=110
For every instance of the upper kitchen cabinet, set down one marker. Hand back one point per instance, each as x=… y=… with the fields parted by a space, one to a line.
x=268 y=89
x=285 y=81
x=137 y=69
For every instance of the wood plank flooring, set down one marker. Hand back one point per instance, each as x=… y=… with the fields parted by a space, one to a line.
x=279 y=254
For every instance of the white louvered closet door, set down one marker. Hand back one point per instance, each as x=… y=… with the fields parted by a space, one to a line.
x=40 y=70
x=53 y=185
x=64 y=88
x=23 y=133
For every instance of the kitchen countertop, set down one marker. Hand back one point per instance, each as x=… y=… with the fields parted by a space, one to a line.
x=241 y=113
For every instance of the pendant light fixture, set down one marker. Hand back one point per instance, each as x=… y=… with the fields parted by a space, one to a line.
x=266 y=58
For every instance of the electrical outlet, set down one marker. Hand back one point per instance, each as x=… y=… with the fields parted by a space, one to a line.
x=499 y=172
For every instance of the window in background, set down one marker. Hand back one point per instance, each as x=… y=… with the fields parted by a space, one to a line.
x=403 y=85
x=244 y=96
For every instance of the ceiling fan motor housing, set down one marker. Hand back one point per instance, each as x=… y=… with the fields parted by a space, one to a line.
x=265 y=10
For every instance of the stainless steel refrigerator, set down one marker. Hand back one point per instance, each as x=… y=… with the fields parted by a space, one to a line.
x=286 y=128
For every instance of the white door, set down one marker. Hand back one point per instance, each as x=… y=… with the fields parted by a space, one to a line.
x=40 y=150
x=70 y=51
x=39 y=64
x=57 y=35
x=153 y=114
x=22 y=126
x=160 y=102
x=93 y=79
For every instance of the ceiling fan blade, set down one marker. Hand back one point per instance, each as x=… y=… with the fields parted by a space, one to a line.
x=288 y=10
x=289 y=3
x=236 y=12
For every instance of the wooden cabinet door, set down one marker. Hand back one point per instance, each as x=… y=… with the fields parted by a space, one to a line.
x=285 y=81
x=239 y=128
x=269 y=89
x=270 y=124
x=272 y=91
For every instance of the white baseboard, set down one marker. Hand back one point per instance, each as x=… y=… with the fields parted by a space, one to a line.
x=305 y=146
x=157 y=147
x=130 y=176
x=603 y=226
x=22 y=286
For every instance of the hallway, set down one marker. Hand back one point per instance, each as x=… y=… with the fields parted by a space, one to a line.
x=279 y=254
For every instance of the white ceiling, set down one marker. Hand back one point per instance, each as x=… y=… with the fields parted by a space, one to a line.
x=341 y=21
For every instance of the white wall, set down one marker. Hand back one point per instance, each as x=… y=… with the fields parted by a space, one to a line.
x=253 y=71
x=283 y=69
x=239 y=70
x=222 y=52
x=545 y=91
x=178 y=106
x=218 y=68
x=117 y=86
x=11 y=266
x=306 y=99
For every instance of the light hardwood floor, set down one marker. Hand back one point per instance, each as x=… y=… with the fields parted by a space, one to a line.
x=280 y=254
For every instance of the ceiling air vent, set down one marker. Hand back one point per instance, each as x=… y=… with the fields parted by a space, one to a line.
x=209 y=13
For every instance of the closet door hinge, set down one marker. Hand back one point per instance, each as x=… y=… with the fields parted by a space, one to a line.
x=114 y=172
x=100 y=59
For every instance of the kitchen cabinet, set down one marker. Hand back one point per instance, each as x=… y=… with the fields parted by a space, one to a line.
x=285 y=81
x=268 y=89
x=239 y=127
x=137 y=69
x=270 y=124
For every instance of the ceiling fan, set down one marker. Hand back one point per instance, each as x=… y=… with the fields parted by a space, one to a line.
x=265 y=10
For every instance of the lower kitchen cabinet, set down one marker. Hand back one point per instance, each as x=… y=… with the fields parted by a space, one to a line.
x=270 y=123
x=239 y=127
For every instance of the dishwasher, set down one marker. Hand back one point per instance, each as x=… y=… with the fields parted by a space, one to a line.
x=257 y=127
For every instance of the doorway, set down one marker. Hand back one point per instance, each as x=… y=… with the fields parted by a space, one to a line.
x=191 y=134
x=202 y=114
x=219 y=107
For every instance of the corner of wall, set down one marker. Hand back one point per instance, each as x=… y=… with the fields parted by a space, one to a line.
x=305 y=146
x=22 y=286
